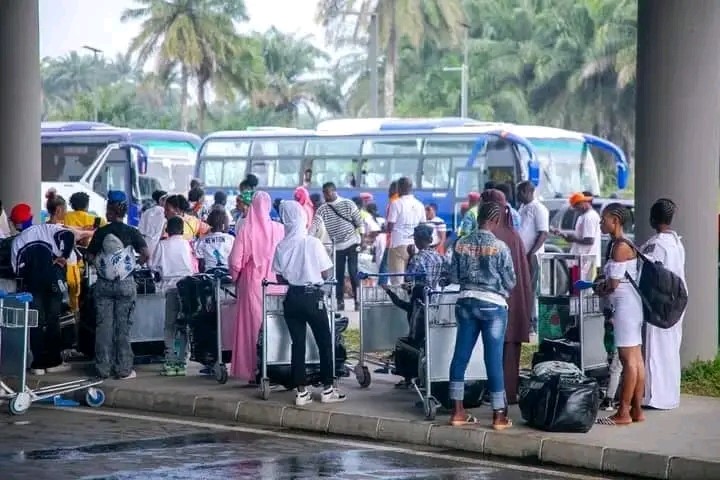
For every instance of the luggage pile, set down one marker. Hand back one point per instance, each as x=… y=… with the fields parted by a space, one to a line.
x=558 y=397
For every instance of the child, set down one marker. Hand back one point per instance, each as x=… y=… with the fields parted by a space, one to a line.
x=173 y=261
x=214 y=249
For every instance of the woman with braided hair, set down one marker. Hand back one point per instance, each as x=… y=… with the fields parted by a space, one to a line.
x=662 y=346
x=520 y=302
x=482 y=265
x=627 y=316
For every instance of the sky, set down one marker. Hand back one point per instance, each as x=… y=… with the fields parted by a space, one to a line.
x=67 y=25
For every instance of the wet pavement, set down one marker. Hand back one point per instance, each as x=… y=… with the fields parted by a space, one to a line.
x=71 y=444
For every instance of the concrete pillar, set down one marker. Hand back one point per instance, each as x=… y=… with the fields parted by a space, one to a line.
x=20 y=92
x=678 y=146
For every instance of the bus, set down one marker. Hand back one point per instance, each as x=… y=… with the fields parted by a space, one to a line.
x=75 y=157
x=366 y=155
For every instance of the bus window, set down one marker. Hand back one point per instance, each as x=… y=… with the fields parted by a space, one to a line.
x=277 y=148
x=68 y=162
x=439 y=172
x=277 y=173
x=226 y=148
x=112 y=176
x=211 y=172
x=340 y=171
x=391 y=146
x=233 y=172
x=379 y=172
x=334 y=147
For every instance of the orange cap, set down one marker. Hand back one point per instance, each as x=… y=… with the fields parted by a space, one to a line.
x=578 y=197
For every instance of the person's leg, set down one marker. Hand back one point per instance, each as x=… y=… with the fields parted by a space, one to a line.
x=124 y=305
x=295 y=318
x=636 y=411
x=340 y=259
x=37 y=335
x=511 y=369
x=493 y=324
x=172 y=309
x=383 y=268
x=352 y=260
x=317 y=319
x=53 y=335
x=468 y=329
x=104 y=329
x=73 y=283
x=395 y=264
x=628 y=385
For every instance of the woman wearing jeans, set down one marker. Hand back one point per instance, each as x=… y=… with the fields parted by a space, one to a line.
x=483 y=267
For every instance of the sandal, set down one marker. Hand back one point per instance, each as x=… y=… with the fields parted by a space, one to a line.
x=610 y=421
x=469 y=420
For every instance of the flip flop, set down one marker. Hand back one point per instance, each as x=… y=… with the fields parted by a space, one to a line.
x=503 y=426
x=469 y=420
x=610 y=421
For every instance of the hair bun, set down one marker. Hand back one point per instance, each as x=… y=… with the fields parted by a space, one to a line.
x=50 y=194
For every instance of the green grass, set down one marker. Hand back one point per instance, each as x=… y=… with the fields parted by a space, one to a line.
x=702 y=378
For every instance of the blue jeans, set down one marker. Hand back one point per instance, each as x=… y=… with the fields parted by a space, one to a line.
x=475 y=317
x=383 y=268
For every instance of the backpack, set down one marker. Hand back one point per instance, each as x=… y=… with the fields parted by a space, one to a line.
x=114 y=262
x=663 y=293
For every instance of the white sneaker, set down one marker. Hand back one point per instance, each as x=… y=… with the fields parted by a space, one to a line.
x=303 y=398
x=129 y=376
x=331 y=395
x=37 y=371
x=63 y=367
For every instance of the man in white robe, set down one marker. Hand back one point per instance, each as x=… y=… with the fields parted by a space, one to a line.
x=662 y=346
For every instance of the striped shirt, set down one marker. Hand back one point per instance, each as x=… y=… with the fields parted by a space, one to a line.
x=342 y=221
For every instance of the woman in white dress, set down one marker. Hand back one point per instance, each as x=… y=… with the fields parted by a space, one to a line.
x=627 y=317
x=662 y=346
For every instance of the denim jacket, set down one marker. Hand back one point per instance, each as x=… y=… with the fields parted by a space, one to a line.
x=482 y=262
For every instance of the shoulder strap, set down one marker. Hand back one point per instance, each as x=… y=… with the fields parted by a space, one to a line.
x=332 y=207
x=96 y=223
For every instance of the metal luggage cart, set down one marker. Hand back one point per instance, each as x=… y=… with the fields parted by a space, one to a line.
x=381 y=324
x=276 y=340
x=221 y=277
x=440 y=333
x=562 y=307
x=21 y=316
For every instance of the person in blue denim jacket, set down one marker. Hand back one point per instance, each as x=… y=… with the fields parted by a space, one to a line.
x=483 y=267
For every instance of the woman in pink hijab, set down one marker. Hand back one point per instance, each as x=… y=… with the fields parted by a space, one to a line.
x=302 y=196
x=250 y=262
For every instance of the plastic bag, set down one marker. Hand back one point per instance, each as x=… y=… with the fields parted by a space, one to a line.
x=559 y=398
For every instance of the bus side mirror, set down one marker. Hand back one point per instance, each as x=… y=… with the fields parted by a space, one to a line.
x=622 y=176
x=534 y=172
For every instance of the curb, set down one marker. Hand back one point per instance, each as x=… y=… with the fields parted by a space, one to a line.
x=531 y=447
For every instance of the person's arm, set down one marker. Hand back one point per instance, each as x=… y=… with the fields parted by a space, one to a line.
x=542 y=226
x=621 y=252
x=454 y=269
x=442 y=233
x=140 y=246
x=65 y=242
x=392 y=218
x=507 y=270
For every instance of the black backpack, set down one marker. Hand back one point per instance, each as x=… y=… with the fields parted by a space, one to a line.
x=663 y=293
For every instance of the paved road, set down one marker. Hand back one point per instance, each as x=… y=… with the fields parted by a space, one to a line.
x=102 y=444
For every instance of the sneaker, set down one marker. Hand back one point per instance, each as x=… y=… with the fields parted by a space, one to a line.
x=63 y=367
x=37 y=371
x=180 y=370
x=129 y=376
x=303 y=398
x=168 y=370
x=607 y=405
x=331 y=395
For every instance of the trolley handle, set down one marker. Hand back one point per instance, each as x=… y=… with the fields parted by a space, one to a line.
x=22 y=297
x=364 y=275
x=266 y=283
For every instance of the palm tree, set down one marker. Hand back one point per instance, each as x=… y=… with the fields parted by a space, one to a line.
x=197 y=37
x=408 y=21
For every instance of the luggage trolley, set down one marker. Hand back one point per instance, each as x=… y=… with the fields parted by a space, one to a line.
x=276 y=336
x=23 y=317
x=434 y=361
x=570 y=319
x=381 y=324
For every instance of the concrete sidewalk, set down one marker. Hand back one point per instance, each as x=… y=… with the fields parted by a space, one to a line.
x=681 y=444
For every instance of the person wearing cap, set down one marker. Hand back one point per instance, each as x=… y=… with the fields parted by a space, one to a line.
x=39 y=255
x=587 y=236
x=469 y=218
x=112 y=249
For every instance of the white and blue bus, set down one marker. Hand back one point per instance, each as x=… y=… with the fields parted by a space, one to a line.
x=446 y=158
x=94 y=158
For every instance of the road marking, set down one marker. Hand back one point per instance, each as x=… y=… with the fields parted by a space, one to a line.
x=336 y=441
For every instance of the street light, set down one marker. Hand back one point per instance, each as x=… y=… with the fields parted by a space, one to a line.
x=373 y=47
x=95 y=52
x=464 y=70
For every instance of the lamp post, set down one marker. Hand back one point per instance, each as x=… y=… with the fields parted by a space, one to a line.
x=373 y=54
x=464 y=70
x=95 y=52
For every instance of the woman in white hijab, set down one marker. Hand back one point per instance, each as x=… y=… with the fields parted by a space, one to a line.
x=662 y=346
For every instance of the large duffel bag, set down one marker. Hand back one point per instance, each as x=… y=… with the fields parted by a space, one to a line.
x=559 y=398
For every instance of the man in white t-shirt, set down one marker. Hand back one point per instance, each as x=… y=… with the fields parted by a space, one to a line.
x=406 y=213
x=587 y=236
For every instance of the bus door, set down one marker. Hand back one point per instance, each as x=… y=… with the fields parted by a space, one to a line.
x=118 y=167
x=467 y=179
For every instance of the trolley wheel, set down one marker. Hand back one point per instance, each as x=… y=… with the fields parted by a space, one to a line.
x=221 y=374
x=430 y=406
x=94 y=397
x=265 y=388
x=20 y=403
x=362 y=375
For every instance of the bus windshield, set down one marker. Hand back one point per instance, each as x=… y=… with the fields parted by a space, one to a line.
x=68 y=161
x=566 y=166
x=173 y=175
